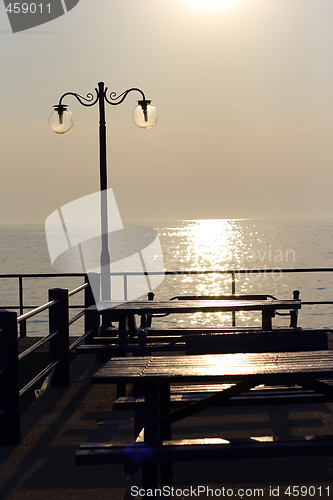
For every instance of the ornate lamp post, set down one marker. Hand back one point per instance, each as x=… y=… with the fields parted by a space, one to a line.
x=61 y=121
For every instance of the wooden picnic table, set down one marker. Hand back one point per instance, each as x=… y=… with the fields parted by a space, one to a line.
x=155 y=374
x=145 y=308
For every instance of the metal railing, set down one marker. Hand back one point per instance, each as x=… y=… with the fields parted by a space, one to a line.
x=233 y=273
x=59 y=346
x=21 y=306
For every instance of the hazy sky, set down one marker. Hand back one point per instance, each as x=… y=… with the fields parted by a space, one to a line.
x=244 y=92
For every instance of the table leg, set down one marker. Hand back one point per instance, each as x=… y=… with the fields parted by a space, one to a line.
x=267 y=320
x=165 y=432
x=91 y=322
x=143 y=321
x=151 y=410
x=122 y=333
x=131 y=323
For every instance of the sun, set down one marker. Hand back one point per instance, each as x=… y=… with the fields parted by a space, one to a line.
x=209 y=4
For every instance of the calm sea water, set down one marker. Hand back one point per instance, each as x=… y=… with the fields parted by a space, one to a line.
x=198 y=245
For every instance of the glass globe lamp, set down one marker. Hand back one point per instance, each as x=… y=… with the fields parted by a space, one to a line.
x=61 y=120
x=145 y=115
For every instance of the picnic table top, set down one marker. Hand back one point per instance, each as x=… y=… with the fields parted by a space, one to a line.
x=214 y=368
x=189 y=306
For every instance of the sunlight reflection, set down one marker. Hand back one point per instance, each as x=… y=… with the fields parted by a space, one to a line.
x=214 y=244
x=219 y=245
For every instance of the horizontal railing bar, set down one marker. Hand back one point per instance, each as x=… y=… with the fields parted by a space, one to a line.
x=78 y=289
x=38 y=377
x=284 y=270
x=182 y=271
x=38 y=344
x=224 y=271
x=79 y=340
x=238 y=271
x=76 y=317
x=323 y=302
x=43 y=275
x=79 y=306
x=39 y=309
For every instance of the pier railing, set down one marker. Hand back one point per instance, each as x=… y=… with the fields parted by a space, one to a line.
x=58 y=307
x=59 y=348
x=22 y=306
x=233 y=274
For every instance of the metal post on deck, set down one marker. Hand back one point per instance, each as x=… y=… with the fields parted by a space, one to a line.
x=23 y=324
x=59 y=344
x=294 y=313
x=233 y=282
x=10 y=433
x=91 y=318
x=233 y=291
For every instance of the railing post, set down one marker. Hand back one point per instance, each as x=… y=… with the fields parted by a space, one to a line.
x=294 y=313
x=59 y=345
x=10 y=433
x=23 y=324
x=233 y=291
x=91 y=318
x=233 y=282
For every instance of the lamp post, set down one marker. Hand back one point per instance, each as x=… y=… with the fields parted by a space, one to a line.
x=61 y=122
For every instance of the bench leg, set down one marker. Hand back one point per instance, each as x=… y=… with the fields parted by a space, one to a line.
x=165 y=433
x=151 y=469
x=122 y=333
x=138 y=413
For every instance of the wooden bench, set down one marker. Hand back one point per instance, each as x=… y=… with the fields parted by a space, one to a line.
x=281 y=340
x=197 y=341
x=275 y=341
x=258 y=396
x=140 y=454
x=202 y=449
x=182 y=396
x=258 y=341
x=147 y=321
x=121 y=312
x=235 y=374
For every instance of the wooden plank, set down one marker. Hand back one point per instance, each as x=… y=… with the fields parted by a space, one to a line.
x=188 y=306
x=203 y=449
x=261 y=367
x=254 y=397
x=212 y=330
x=273 y=341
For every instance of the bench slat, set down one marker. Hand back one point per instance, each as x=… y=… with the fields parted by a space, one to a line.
x=258 y=397
x=202 y=449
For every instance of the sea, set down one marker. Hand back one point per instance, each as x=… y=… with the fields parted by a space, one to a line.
x=268 y=246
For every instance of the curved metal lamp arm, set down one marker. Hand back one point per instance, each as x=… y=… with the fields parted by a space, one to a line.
x=118 y=99
x=85 y=101
x=113 y=99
